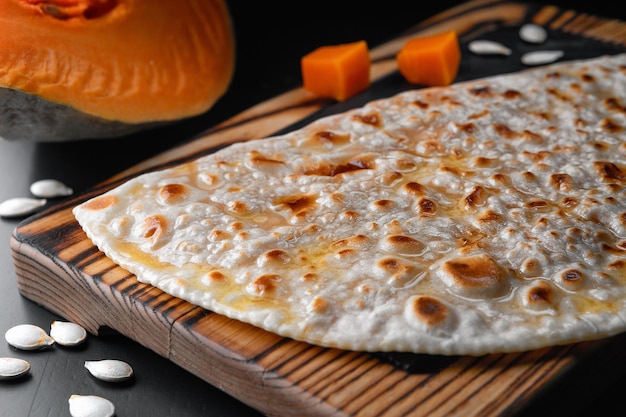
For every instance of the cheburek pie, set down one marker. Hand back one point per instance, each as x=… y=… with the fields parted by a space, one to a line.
x=487 y=216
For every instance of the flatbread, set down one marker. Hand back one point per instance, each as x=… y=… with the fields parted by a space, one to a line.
x=488 y=216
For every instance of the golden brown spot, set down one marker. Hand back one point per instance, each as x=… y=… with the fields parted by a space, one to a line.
x=310 y=276
x=370 y=119
x=330 y=170
x=613 y=104
x=617 y=250
x=504 y=131
x=420 y=104
x=356 y=241
x=431 y=147
x=346 y=254
x=484 y=162
x=570 y=202
x=154 y=226
x=490 y=216
x=469 y=128
x=296 y=204
x=172 y=193
x=217 y=235
x=101 y=202
x=350 y=215
x=456 y=152
x=588 y=78
x=511 y=94
x=542 y=115
x=403 y=164
x=571 y=279
x=324 y=169
x=608 y=171
x=242 y=236
x=276 y=257
x=531 y=136
x=536 y=156
x=611 y=126
x=319 y=305
x=456 y=171
x=265 y=283
x=400 y=272
x=617 y=265
x=562 y=182
x=403 y=244
x=379 y=205
x=536 y=204
x=238 y=206
x=484 y=91
x=476 y=198
x=531 y=267
x=477 y=275
x=389 y=178
x=558 y=94
x=414 y=188
x=501 y=179
x=237 y=226
x=209 y=179
x=478 y=115
x=601 y=146
x=429 y=310
x=330 y=138
x=540 y=295
x=216 y=277
x=258 y=160
x=451 y=102
x=426 y=206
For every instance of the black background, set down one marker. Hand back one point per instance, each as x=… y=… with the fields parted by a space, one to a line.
x=271 y=37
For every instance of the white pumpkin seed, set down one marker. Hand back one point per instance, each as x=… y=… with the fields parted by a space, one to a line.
x=20 y=206
x=67 y=334
x=50 y=188
x=111 y=370
x=533 y=33
x=90 y=406
x=28 y=337
x=541 y=57
x=485 y=47
x=13 y=367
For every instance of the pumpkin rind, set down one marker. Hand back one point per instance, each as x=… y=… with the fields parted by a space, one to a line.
x=104 y=68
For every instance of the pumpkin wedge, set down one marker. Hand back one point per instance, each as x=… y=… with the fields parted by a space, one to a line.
x=81 y=69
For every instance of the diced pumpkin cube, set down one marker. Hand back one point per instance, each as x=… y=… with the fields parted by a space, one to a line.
x=337 y=71
x=431 y=60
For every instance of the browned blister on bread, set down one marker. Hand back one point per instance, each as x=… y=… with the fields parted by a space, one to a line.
x=487 y=216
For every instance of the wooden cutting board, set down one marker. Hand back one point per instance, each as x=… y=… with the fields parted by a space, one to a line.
x=59 y=268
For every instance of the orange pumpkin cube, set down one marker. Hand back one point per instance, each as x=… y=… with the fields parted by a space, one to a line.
x=431 y=60
x=337 y=71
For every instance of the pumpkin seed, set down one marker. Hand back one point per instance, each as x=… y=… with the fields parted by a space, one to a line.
x=67 y=334
x=50 y=188
x=541 y=57
x=28 y=337
x=90 y=406
x=533 y=33
x=13 y=367
x=485 y=47
x=111 y=370
x=20 y=206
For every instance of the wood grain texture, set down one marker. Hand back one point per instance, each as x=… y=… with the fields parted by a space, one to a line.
x=60 y=269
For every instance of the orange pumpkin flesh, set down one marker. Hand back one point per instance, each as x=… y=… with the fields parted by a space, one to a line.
x=129 y=62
